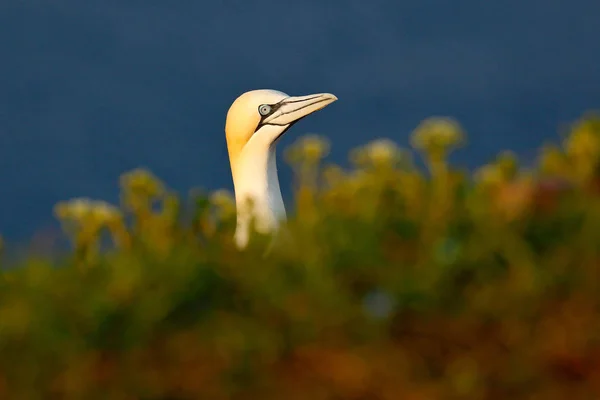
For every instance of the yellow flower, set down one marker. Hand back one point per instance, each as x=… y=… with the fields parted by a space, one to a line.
x=224 y=201
x=489 y=175
x=75 y=209
x=142 y=181
x=315 y=147
x=380 y=152
x=104 y=212
x=222 y=197
x=553 y=161
x=514 y=198
x=584 y=140
x=583 y=149
x=437 y=133
x=333 y=174
x=310 y=148
x=82 y=209
x=507 y=163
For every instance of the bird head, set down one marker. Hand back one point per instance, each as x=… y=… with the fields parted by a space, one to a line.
x=259 y=117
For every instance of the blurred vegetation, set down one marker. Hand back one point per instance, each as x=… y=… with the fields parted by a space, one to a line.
x=388 y=282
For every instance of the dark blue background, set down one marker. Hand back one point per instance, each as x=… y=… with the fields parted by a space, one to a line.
x=90 y=89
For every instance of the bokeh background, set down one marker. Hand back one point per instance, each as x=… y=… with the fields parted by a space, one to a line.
x=90 y=89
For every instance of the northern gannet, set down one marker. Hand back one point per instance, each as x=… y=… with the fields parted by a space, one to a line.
x=255 y=121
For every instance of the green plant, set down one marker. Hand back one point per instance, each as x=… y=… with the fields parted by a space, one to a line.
x=387 y=282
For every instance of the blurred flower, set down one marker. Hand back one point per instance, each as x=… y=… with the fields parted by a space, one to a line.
x=514 y=198
x=380 y=153
x=584 y=139
x=224 y=201
x=489 y=175
x=437 y=134
x=143 y=182
x=508 y=164
x=222 y=197
x=315 y=147
x=309 y=148
x=104 y=212
x=83 y=220
x=333 y=174
x=553 y=161
x=503 y=169
x=74 y=209
x=84 y=209
x=583 y=149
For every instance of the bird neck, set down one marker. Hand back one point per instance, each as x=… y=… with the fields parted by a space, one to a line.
x=257 y=193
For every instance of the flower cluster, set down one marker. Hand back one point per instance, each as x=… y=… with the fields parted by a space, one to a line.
x=389 y=282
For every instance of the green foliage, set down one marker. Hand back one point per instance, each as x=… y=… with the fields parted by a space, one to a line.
x=387 y=283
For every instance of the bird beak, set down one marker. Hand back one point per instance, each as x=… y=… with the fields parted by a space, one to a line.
x=292 y=109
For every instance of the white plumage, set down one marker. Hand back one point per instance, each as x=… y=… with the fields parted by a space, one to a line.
x=255 y=121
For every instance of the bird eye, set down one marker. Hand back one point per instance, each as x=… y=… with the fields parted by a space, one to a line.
x=264 y=109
